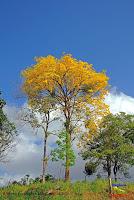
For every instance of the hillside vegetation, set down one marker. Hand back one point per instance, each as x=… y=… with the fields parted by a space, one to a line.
x=59 y=190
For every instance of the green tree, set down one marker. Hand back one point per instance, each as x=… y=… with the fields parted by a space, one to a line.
x=7 y=132
x=59 y=153
x=90 y=169
x=111 y=148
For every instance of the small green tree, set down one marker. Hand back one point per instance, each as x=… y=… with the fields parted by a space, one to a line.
x=62 y=150
x=111 y=148
x=90 y=168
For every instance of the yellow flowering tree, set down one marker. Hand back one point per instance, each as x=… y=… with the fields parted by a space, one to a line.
x=77 y=89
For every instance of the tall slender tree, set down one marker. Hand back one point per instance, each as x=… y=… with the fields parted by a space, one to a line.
x=79 y=92
x=38 y=115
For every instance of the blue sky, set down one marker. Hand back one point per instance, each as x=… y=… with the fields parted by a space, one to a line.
x=100 y=32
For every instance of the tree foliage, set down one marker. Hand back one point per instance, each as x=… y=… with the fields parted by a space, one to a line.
x=7 y=133
x=90 y=168
x=112 y=146
x=59 y=153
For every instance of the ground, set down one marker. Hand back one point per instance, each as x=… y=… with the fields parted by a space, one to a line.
x=59 y=190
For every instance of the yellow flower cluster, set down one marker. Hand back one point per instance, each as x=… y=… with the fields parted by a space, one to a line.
x=72 y=78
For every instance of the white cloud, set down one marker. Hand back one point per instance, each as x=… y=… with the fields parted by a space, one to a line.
x=26 y=158
x=120 y=102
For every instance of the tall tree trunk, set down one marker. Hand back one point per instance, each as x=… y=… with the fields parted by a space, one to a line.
x=85 y=177
x=44 y=159
x=68 y=145
x=67 y=164
x=109 y=175
x=115 y=169
x=68 y=136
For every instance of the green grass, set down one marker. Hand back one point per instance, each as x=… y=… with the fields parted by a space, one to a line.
x=60 y=190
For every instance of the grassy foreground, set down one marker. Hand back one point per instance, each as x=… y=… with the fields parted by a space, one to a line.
x=59 y=190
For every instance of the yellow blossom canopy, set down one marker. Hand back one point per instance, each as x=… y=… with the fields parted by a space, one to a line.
x=75 y=83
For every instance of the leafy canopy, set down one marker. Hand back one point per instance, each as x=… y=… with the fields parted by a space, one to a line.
x=61 y=150
x=112 y=144
x=7 y=132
